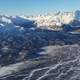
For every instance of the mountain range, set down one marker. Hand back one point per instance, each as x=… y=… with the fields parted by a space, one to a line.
x=44 y=47
x=52 y=22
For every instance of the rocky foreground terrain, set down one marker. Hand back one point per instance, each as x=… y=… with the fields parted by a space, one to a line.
x=56 y=63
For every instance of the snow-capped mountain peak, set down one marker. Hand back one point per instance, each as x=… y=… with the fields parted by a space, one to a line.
x=48 y=21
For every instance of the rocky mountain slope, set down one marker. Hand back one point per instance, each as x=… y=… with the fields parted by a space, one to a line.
x=36 y=48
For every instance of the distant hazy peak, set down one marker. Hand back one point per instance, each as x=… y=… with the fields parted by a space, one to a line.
x=77 y=15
